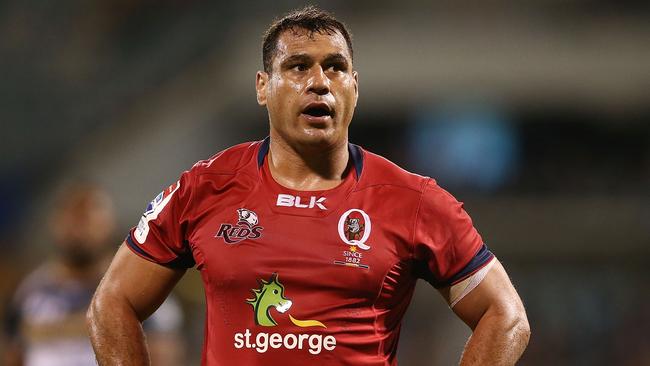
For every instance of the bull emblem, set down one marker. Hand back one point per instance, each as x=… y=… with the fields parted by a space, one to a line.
x=247 y=217
x=353 y=228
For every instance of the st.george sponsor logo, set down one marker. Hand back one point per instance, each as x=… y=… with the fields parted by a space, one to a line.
x=246 y=228
x=270 y=295
x=261 y=342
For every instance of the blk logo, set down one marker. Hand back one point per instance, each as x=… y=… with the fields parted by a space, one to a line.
x=246 y=228
x=288 y=200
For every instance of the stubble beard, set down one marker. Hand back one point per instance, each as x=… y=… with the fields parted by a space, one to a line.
x=310 y=140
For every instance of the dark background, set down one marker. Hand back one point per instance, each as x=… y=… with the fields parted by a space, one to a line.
x=534 y=113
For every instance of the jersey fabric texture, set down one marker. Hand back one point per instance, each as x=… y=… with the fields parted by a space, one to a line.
x=318 y=277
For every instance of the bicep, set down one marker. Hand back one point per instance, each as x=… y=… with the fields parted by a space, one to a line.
x=142 y=284
x=494 y=293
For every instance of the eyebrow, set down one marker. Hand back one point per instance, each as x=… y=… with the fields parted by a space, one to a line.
x=336 y=57
x=303 y=57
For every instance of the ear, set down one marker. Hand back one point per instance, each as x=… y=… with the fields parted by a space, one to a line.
x=261 y=82
x=356 y=86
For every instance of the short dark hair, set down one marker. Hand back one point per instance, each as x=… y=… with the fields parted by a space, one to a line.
x=309 y=18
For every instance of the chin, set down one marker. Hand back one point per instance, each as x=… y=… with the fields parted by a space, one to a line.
x=319 y=137
x=311 y=137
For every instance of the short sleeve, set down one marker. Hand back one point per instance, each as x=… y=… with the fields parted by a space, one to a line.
x=161 y=234
x=447 y=247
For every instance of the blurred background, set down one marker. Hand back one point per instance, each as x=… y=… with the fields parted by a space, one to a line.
x=535 y=113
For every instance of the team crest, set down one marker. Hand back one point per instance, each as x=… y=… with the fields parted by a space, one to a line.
x=247 y=217
x=354 y=230
x=247 y=227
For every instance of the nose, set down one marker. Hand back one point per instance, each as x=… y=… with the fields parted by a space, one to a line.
x=319 y=83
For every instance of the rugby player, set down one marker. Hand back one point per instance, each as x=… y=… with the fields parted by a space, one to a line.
x=44 y=322
x=309 y=246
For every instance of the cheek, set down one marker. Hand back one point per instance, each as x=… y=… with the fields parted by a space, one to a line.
x=283 y=94
x=347 y=85
x=291 y=91
x=348 y=93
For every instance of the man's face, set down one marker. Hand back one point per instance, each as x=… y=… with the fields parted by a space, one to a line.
x=312 y=89
x=83 y=225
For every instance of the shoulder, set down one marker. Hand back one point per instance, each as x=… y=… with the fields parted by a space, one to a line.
x=236 y=162
x=38 y=280
x=379 y=171
x=223 y=166
x=228 y=161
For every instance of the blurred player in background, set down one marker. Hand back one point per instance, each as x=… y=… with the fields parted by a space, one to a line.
x=45 y=323
x=309 y=247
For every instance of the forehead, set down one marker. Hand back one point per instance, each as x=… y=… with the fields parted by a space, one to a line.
x=302 y=41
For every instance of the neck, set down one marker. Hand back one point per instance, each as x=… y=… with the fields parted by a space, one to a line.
x=307 y=168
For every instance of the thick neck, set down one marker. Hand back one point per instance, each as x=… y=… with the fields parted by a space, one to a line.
x=307 y=168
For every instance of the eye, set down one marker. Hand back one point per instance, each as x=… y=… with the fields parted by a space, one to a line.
x=299 y=67
x=275 y=292
x=337 y=67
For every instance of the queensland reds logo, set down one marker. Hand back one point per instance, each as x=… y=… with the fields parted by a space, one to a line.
x=246 y=228
x=354 y=228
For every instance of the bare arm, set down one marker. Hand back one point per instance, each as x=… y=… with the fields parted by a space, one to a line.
x=496 y=315
x=131 y=290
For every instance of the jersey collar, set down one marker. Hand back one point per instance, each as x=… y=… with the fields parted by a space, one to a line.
x=283 y=200
x=356 y=155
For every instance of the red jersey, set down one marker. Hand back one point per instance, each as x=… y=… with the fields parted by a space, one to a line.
x=307 y=277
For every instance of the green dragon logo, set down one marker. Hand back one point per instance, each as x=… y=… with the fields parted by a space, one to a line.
x=269 y=295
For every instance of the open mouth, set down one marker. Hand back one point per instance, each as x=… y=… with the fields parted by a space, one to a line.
x=318 y=110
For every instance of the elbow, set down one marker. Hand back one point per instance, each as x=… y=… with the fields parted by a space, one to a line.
x=518 y=326
x=521 y=329
x=106 y=306
x=512 y=322
x=92 y=315
x=101 y=308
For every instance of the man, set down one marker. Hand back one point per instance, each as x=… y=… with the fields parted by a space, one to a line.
x=45 y=323
x=309 y=247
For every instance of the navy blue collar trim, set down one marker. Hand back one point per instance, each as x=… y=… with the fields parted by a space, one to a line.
x=357 y=158
x=355 y=154
x=264 y=149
